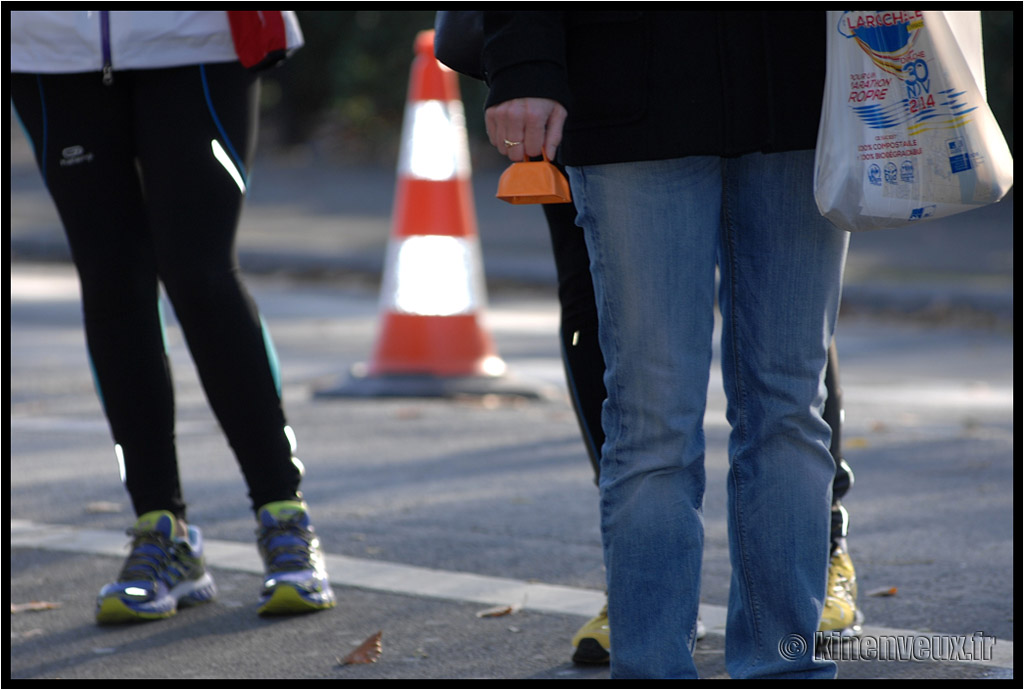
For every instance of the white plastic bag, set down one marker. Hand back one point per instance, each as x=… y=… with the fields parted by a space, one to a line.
x=906 y=133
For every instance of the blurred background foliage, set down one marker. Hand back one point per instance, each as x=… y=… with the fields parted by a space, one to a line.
x=1000 y=30
x=341 y=98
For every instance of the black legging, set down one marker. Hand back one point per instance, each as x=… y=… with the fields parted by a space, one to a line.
x=135 y=171
x=584 y=364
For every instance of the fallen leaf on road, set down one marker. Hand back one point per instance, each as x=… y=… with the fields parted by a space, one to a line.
x=883 y=592
x=35 y=606
x=498 y=611
x=103 y=507
x=34 y=632
x=366 y=653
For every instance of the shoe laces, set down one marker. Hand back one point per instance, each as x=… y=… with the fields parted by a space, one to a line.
x=840 y=585
x=287 y=546
x=152 y=557
x=837 y=580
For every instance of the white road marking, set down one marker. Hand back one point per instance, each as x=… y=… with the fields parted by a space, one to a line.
x=396 y=578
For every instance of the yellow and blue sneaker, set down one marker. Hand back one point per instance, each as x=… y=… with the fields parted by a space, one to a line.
x=164 y=570
x=295 y=579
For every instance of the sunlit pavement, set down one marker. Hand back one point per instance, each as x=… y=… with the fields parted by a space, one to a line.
x=435 y=511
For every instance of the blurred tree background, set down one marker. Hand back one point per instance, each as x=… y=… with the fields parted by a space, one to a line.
x=1000 y=31
x=341 y=98
x=343 y=93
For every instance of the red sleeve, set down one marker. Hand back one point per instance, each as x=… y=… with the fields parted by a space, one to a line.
x=259 y=36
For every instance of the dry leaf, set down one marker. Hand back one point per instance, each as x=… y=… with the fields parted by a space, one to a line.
x=103 y=507
x=498 y=611
x=883 y=592
x=35 y=606
x=366 y=653
x=34 y=632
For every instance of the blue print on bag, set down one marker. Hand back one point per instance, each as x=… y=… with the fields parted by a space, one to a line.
x=907 y=171
x=923 y=212
x=959 y=159
x=882 y=32
x=889 y=39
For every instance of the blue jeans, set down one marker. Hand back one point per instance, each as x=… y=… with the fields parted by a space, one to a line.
x=656 y=232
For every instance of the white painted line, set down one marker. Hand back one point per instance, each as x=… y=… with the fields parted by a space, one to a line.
x=396 y=578
x=92 y=424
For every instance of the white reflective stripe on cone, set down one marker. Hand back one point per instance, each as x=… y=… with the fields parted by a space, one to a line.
x=433 y=275
x=434 y=143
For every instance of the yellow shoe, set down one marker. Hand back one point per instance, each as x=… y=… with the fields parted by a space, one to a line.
x=840 y=616
x=592 y=642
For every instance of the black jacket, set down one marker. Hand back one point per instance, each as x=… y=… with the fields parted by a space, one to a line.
x=655 y=85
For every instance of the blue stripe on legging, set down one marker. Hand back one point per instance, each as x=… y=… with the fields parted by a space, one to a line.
x=275 y=366
x=220 y=128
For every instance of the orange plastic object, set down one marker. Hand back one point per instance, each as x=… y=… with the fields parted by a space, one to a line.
x=534 y=182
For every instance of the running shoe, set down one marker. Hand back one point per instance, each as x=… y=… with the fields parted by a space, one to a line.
x=163 y=571
x=295 y=579
x=592 y=642
x=840 y=617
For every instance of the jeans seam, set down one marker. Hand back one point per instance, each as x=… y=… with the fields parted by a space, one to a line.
x=595 y=249
x=740 y=427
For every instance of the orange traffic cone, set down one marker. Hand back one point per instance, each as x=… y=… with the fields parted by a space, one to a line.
x=431 y=341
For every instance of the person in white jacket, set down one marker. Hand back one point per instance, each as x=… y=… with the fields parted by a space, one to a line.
x=143 y=125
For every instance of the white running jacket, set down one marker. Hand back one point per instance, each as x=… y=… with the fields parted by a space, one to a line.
x=94 y=41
